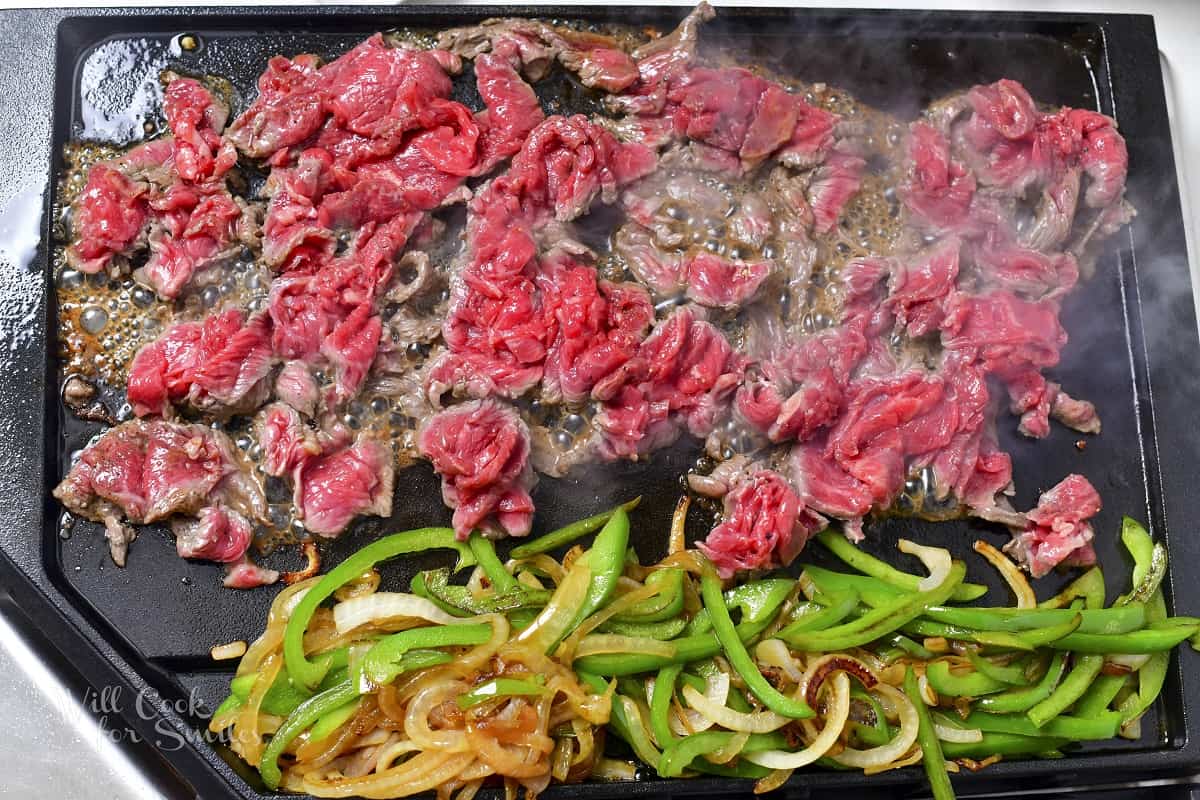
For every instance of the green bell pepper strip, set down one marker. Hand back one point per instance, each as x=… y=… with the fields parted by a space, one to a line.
x=437 y=583
x=973 y=684
x=1002 y=744
x=333 y=720
x=385 y=660
x=606 y=561
x=699 y=624
x=878 y=733
x=304 y=672
x=879 y=622
x=1089 y=586
x=1157 y=637
x=1072 y=687
x=625 y=721
x=739 y=769
x=1024 y=640
x=327 y=702
x=1152 y=675
x=1138 y=542
x=867 y=564
x=228 y=704
x=1099 y=696
x=682 y=752
x=660 y=704
x=283 y=696
x=662 y=631
x=759 y=600
x=739 y=657
x=1011 y=674
x=420 y=588
x=503 y=687
x=298 y=721
x=909 y=647
x=872 y=591
x=1105 y=620
x=840 y=607
x=664 y=606
x=1078 y=729
x=687 y=650
x=485 y=556
x=1145 y=588
x=931 y=748
x=1016 y=700
x=569 y=533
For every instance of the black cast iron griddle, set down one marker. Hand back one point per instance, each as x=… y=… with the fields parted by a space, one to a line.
x=1133 y=351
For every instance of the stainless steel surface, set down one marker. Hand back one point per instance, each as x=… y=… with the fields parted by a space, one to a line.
x=62 y=743
x=67 y=742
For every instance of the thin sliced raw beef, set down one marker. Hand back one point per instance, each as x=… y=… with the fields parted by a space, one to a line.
x=765 y=526
x=481 y=450
x=336 y=487
x=219 y=365
x=1059 y=531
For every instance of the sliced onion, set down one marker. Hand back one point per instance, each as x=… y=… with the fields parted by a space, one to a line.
x=612 y=643
x=774 y=653
x=835 y=720
x=1133 y=661
x=224 y=652
x=555 y=619
x=770 y=783
x=723 y=755
x=716 y=691
x=935 y=559
x=898 y=746
x=820 y=669
x=720 y=714
x=610 y=769
x=907 y=761
x=807 y=587
x=380 y=606
x=1010 y=572
x=958 y=735
x=677 y=542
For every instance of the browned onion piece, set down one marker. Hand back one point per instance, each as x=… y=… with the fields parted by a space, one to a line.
x=838 y=663
x=309 y=551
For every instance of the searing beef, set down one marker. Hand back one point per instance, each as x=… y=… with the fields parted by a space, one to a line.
x=919 y=287
x=496 y=333
x=938 y=190
x=196 y=119
x=688 y=235
x=334 y=488
x=286 y=442
x=1058 y=531
x=684 y=372
x=149 y=470
x=296 y=387
x=765 y=525
x=481 y=450
x=168 y=195
x=596 y=59
x=596 y=327
x=216 y=534
x=219 y=365
x=109 y=220
x=741 y=287
x=245 y=574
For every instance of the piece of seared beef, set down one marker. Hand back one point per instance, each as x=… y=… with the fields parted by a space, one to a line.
x=481 y=450
x=1058 y=529
x=145 y=471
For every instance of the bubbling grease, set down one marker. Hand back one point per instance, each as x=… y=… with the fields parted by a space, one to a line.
x=104 y=320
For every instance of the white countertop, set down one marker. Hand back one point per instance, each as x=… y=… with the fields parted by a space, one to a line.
x=64 y=752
